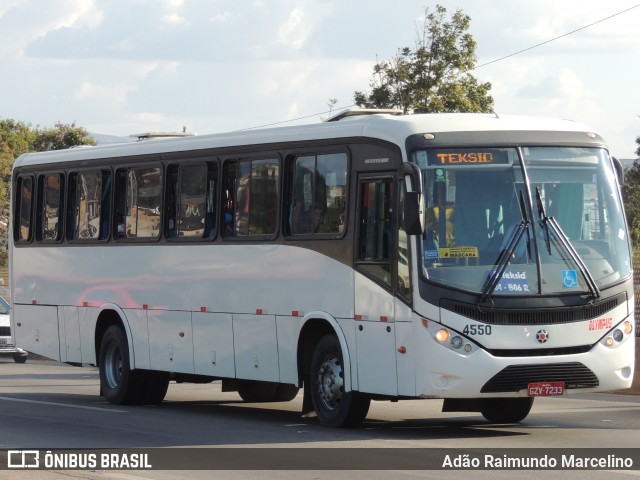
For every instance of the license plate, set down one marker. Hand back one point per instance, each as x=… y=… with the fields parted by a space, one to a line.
x=546 y=389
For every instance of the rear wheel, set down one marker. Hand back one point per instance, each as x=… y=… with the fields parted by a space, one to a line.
x=253 y=391
x=156 y=385
x=334 y=406
x=505 y=410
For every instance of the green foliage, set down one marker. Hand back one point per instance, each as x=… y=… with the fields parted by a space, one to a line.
x=433 y=76
x=18 y=137
x=60 y=137
x=631 y=196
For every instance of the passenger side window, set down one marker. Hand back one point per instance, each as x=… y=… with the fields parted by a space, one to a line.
x=89 y=205
x=24 y=208
x=138 y=197
x=191 y=201
x=251 y=197
x=317 y=194
x=49 y=207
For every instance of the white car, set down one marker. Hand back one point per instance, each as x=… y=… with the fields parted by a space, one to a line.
x=7 y=347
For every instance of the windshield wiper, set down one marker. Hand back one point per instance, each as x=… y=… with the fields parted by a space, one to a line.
x=507 y=253
x=561 y=237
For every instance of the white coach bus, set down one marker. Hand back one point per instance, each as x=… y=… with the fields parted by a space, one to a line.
x=478 y=259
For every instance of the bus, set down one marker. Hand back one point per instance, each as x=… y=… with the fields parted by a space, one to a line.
x=479 y=259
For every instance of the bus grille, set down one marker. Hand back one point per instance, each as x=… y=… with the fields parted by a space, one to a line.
x=544 y=316
x=517 y=377
x=5 y=331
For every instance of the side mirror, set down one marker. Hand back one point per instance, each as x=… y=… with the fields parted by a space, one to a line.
x=617 y=165
x=412 y=213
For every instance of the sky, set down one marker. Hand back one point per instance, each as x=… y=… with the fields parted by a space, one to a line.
x=122 y=67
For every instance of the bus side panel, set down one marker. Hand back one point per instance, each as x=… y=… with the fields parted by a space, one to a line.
x=256 y=347
x=69 y=325
x=88 y=318
x=288 y=331
x=36 y=329
x=170 y=341
x=405 y=349
x=213 y=344
x=140 y=357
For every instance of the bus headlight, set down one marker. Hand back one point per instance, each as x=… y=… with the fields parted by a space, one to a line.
x=619 y=334
x=442 y=335
x=449 y=338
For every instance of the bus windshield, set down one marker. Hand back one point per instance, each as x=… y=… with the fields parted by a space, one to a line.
x=522 y=221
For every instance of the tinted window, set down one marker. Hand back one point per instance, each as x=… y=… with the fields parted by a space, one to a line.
x=251 y=197
x=190 y=201
x=138 y=197
x=318 y=194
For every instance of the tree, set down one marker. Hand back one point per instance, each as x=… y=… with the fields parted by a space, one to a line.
x=434 y=75
x=18 y=137
x=631 y=196
x=60 y=137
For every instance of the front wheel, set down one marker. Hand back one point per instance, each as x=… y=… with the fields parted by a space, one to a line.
x=506 y=410
x=334 y=406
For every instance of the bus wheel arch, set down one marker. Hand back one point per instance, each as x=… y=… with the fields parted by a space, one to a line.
x=313 y=329
x=324 y=366
x=119 y=382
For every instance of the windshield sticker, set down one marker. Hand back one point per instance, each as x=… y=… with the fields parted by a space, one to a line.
x=459 y=252
x=569 y=278
x=512 y=282
x=430 y=255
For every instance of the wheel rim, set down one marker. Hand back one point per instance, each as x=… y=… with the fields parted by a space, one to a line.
x=113 y=366
x=330 y=383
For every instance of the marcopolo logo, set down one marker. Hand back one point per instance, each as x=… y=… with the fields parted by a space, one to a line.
x=23 y=459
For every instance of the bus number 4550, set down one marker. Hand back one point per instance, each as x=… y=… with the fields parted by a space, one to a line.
x=477 y=330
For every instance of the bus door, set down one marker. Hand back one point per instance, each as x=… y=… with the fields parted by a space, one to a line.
x=374 y=280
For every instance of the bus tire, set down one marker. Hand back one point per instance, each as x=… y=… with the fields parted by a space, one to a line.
x=254 y=391
x=334 y=406
x=285 y=392
x=156 y=385
x=505 y=410
x=118 y=383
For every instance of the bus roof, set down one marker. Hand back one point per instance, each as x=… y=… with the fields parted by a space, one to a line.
x=386 y=126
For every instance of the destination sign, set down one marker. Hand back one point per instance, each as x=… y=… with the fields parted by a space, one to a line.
x=468 y=157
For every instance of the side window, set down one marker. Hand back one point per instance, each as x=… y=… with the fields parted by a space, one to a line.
x=89 y=205
x=138 y=199
x=24 y=208
x=376 y=234
x=50 y=194
x=317 y=190
x=251 y=197
x=190 y=201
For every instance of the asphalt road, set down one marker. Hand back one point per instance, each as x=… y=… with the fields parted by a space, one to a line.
x=49 y=406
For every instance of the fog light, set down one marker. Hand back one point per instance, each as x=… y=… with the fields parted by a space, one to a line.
x=442 y=335
x=608 y=342
x=456 y=342
x=468 y=348
x=618 y=335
